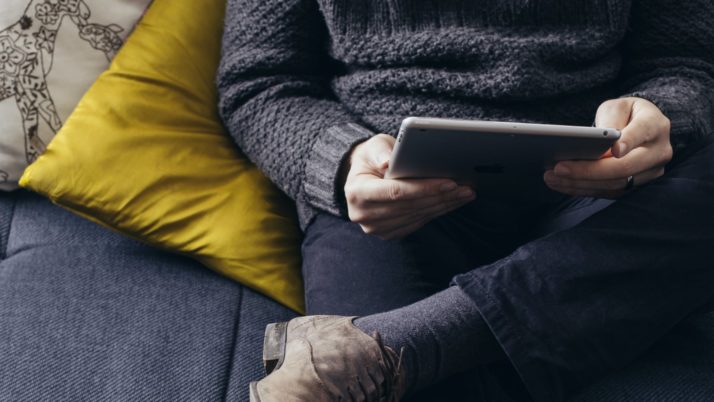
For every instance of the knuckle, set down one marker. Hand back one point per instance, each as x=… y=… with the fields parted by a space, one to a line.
x=356 y=215
x=384 y=138
x=351 y=195
x=394 y=192
x=611 y=105
x=667 y=153
x=665 y=124
x=627 y=166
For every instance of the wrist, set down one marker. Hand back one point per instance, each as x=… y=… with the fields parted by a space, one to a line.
x=344 y=172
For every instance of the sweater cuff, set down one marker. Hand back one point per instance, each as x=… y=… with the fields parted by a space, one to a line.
x=688 y=104
x=323 y=166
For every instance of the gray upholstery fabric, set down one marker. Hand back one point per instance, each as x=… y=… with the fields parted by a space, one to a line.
x=86 y=314
x=678 y=368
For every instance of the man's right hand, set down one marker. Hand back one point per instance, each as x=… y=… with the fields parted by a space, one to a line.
x=392 y=209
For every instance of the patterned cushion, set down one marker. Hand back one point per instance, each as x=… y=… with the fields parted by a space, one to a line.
x=51 y=51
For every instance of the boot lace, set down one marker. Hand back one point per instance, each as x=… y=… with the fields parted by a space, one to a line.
x=392 y=388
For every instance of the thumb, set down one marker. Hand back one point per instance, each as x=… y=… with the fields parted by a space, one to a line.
x=615 y=113
x=382 y=151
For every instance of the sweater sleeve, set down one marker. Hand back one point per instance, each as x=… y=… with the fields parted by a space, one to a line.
x=669 y=60
x=276 y=102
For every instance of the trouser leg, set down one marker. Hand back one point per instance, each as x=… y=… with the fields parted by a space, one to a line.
x=348 y=272
x=576 y=304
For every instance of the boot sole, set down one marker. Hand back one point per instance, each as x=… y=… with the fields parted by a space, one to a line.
x=274 y=346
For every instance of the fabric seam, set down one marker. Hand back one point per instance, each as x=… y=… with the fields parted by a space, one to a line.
x=232 y=358
x=6 y=235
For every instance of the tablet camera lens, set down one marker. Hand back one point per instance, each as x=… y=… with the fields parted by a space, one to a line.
x=604 y=133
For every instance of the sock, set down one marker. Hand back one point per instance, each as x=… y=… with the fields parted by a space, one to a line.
x=441 y=335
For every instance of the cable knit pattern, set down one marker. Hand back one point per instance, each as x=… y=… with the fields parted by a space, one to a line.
x=303 y=81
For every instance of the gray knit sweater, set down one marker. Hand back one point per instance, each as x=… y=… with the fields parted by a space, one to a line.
x=302 y=81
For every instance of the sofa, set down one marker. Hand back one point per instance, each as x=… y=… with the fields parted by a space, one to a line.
x=89 y=315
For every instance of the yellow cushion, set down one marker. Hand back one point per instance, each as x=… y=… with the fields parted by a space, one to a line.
x=144 y=153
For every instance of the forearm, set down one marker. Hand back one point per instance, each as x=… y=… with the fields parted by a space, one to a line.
x=669 y=61
x=276 y=101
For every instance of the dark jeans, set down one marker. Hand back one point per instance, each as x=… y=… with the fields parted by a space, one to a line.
x=571 y=288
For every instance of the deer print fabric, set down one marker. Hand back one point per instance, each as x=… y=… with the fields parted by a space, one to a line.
x=51 y=51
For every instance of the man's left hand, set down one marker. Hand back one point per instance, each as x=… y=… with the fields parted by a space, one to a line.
x=638 y=157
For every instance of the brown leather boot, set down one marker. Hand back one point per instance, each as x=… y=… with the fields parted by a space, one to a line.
x=326 y=359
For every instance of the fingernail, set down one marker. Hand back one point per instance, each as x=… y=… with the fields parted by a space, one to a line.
x=621 y=149
x=466 y=193
x=561 y=170
x=448 y=186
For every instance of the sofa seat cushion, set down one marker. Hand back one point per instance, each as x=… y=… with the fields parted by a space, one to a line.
x=86 y=314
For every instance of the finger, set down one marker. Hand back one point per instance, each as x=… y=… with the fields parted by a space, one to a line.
x=386 y=226
x=648 y=124
x=377 y=211
x=439 y=210
x=404 y=230
x=382 y=229
x=418 y=223
x=383 y=146
x=374 y=189
x=554 y=181
x=614 y=113
x=372 y=156
x=637 y=161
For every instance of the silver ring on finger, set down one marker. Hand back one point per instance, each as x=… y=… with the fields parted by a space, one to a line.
x=630 y=183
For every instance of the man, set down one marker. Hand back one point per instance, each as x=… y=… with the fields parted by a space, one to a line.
x=559 y=283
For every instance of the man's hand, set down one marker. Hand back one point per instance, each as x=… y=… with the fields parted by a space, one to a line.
x=392 y=209
x=642 y=152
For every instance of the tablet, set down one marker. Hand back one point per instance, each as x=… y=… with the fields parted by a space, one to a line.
x=491 y=154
